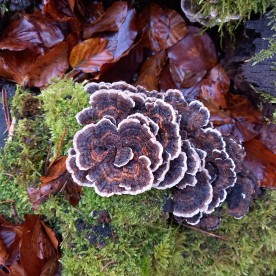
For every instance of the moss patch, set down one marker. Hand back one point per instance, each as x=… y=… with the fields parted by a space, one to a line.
x=137 y=239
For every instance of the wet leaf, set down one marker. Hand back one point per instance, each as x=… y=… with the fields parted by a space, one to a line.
x=165 y=27
x=264 y=159
x=125 y=68
x=195 y=52
x=57 y=180
x=88 y=56
x=268 y=136
x=4 y=254
x=150 y=71
x=166 y=81
x=120 y=42
x=56 y=169
x=17 y=270
x=111 y=20
x=53 y=64
x=30 y=31
x=10 y=236
x=35 y=246
x=58 y=9
x=215 y=87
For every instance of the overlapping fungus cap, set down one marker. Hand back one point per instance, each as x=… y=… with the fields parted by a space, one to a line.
x=134 y=140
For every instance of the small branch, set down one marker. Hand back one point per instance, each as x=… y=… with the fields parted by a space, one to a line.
x=6 y=108
x=11 y=129
x=206 y=232
x=59 y=149
x=108 y=264
x=15 y=214
x=7 y=201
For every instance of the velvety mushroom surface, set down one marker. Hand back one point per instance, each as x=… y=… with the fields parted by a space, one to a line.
x=133 y=140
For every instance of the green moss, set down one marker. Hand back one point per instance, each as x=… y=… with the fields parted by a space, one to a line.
x=143 y=242
x=225 y=8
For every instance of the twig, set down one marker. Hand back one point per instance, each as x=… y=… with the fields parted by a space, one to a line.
x=59 y=149
x=109 y=263
x=6 y=108
x=47 y=159
x=7 y=201
x=11 y=129
x=15 y=214
x=206 y=233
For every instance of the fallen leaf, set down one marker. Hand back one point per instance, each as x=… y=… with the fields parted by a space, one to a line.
x=10 y=236
x=264 y=159
x=88 y=56
x=124 y=69
x=57 y=180
x=55 y=170
x=57 y=9
x=17 y=270
x=268 y=136
x=36 y=247
x=4 y=254
x=120 y=42
x=30 y=31
x=215 y=87
x=90 y=11
x=165 y=80
x=110 y=21
x=53 y=64
x=150 y=71
x=195 y=52
x=165 y=27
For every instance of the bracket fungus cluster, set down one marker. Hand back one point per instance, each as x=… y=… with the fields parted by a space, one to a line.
x=134 y=140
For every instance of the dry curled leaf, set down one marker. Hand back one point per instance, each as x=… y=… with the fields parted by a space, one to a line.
x=56 y=180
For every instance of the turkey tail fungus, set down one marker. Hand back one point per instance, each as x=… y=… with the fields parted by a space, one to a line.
x=134 y=140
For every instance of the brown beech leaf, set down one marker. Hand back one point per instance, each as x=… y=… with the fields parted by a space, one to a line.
x=215 y=87
x=30 y=31
x=18 y=64
x=121 y=42
x=10 y=236
x=88 y=56
x=58 y=9
x=150 y=71
x=268 y=136
x=3 y=71
x=165 y=80
x=57 y=180
x=53 y=64
x=125 y=68
x=4 y=254
x=36 y=248
x=265 y=159
x=166 y=27
x=89 y=10
x=111 y=20
x=195 y=52
x=17 y=270
x=56 y=169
